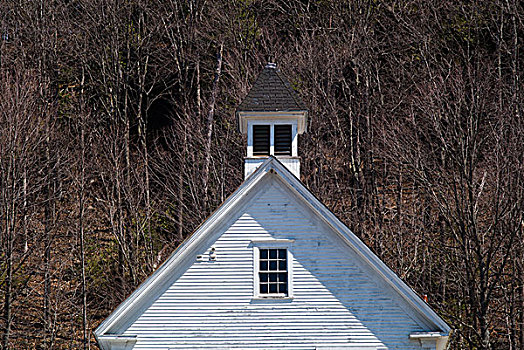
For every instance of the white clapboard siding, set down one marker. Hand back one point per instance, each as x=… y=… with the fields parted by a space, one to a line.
x=335 y=304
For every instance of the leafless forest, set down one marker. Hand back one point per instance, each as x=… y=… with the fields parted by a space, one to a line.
x=118 y=138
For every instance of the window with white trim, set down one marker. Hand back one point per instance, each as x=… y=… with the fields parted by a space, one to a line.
x=272 y=269
x=271 y=138
x=273 y=272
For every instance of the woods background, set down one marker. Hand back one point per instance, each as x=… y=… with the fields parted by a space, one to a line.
x=118 y=138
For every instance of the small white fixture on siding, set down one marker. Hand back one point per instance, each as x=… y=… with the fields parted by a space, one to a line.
x=213 y=254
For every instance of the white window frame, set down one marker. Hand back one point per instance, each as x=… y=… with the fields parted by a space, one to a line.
x=271 y=123
x=272 y=244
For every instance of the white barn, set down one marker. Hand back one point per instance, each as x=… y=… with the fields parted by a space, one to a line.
x=272 y=267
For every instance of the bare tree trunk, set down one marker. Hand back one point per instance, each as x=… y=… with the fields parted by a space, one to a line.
x=20 y=131
x=81 y=212
x=181 y=204
x=9 y=227
x=210 y=122
x=142 y=67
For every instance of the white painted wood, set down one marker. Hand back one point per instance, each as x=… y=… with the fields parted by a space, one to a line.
x=442 y=343
x=335 y=304
x=251 y=164
x=344 y=296
x=278 y=244
x=299 y=116
x=294 y=140
x=272 y=139
x=117 y=342
x=272 y=123
x=250 y=142
x=430 y=340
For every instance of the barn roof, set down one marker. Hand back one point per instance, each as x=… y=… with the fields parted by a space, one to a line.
x=271 y=92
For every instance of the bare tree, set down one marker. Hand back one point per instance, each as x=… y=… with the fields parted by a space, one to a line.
x=21 y=139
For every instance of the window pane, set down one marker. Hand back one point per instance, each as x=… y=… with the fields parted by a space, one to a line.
x=273 y=277
x=282 y=277
x=282 y=288
x=263 y=253
x=260 y=140
x=282 y=254
x=272 y=265
x=282 y=265
x=263 y=266
x=273 y=288
x=272 y=253
x=263 y=288
x=264 y=277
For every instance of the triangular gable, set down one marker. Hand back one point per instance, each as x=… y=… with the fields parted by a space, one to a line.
x=138 y=301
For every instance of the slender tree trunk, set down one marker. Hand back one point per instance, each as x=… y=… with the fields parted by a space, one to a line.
x=142 y=129
x=210 y=122
x=47 y=242
x=9 y=227
x=81 y=208
x=8 y=289
x=198 y=91
x=181 y=191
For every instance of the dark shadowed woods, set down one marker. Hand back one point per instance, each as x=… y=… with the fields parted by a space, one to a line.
x=118 y=137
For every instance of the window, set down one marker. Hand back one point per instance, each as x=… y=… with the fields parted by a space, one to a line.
x=273 y=272
x=261 y=140
x=272 y=269
x=282 y=140
x=270 y=138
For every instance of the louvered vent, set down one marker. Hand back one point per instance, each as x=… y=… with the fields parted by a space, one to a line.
x=260 y=140
x=282 y=140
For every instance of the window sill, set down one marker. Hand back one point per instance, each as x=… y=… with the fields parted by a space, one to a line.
x=261 y=300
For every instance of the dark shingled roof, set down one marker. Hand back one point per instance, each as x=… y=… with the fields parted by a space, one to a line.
x=271 y=93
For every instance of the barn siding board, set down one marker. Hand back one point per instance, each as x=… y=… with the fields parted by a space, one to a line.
x=335 y=302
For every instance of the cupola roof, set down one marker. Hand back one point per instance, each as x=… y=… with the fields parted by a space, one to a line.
x=271 y=92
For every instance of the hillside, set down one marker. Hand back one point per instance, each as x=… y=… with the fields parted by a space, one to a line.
x=118 y=138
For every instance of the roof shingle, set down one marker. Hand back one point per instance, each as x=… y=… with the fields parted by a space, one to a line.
x=271 y=93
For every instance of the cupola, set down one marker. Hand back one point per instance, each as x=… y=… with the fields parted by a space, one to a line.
x=272 y=115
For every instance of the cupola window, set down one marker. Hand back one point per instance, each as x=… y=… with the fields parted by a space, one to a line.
x=272 y=139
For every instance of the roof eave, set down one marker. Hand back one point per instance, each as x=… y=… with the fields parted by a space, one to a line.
x=300 y=115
